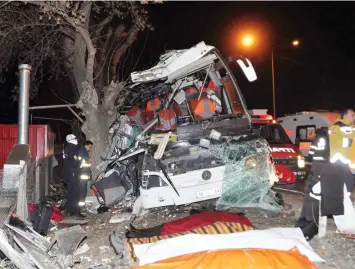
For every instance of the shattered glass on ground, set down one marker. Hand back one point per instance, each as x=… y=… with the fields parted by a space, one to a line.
x=247 y=175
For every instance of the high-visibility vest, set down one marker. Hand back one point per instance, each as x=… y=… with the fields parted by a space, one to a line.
x=135 y=115
x=352 y=152
x=341 y=139
x=319 y=151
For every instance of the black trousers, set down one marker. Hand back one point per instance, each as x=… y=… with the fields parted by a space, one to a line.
x=333 y=178
x=308 y=220
x=73 y=195
x=310 y=208
x=83 y=189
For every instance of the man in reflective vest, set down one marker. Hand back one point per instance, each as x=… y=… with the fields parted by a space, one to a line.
x=84 y=171
x=341 y=140
x=319 y=156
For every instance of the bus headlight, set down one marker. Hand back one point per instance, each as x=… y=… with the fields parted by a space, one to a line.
x=301 y=162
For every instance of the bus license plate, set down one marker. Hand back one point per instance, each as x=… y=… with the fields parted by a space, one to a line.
x=211 y=192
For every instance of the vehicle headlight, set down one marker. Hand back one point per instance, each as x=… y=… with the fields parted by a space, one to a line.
x=301 y=162
x=250 y=163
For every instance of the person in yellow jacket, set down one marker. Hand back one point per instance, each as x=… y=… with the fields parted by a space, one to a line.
x=341 y=160
x=352 y=152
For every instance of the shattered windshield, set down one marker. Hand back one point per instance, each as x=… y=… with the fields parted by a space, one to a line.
x=273 y=133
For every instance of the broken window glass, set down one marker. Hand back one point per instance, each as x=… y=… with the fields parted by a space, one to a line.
x=249 y=173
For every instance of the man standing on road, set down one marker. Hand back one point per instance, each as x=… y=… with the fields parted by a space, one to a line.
x=71 y=165
x=319 y=156
x=84 y=170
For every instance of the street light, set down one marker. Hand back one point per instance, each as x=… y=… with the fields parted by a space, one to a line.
x=295 y=43
x=247 y=41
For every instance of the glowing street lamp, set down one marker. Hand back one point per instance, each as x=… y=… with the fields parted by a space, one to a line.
x=295 y=43
x=248 y=41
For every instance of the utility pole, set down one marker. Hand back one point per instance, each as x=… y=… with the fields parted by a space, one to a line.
x=273 y=84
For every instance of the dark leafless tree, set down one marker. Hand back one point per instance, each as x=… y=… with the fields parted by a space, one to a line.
x=83 y=40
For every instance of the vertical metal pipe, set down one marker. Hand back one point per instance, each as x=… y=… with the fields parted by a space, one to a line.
x=273 y=85
x=24 y=99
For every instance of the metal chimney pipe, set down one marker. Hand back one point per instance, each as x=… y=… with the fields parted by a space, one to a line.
x=23 y=108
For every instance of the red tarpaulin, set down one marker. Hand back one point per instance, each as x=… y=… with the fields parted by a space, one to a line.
x=201 y=219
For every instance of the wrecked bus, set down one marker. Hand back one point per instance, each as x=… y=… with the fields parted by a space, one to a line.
x=195 y=133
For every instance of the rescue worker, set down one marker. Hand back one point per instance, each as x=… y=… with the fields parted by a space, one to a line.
x=84 y=170
x=341 y=139
x=71 y=165
x=331 y=166
x=319 y=157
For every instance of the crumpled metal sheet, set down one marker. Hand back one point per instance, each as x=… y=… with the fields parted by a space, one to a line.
x=248 y=174
x=67 y=240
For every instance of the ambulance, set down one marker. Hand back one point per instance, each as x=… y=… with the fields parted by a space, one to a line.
x=301 y=127
x=289 y=161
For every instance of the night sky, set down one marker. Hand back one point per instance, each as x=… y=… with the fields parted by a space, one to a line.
x=320 y=74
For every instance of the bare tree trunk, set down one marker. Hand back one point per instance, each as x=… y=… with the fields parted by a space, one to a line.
x=96 y=130
x=98 y=119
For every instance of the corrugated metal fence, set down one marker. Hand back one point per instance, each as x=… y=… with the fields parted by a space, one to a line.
x=40 y=139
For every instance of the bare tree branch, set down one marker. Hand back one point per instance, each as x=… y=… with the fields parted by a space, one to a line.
x=72 y=39
x=131 y=36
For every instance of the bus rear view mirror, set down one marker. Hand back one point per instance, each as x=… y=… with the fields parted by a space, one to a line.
x=247 y=69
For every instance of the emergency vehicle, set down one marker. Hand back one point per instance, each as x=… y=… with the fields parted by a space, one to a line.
x=289 y=161
x=301 y=127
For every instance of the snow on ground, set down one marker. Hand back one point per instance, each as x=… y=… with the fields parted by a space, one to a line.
x=338 y=252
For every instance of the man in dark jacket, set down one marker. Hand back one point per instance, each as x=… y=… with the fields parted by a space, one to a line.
x=319 y=156
x=71 y=166
x=84 y=170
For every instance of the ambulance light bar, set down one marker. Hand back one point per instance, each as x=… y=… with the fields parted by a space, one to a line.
x=257 y=112
x=262 y=117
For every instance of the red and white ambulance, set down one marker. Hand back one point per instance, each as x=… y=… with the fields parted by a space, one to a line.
x=289 y=162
